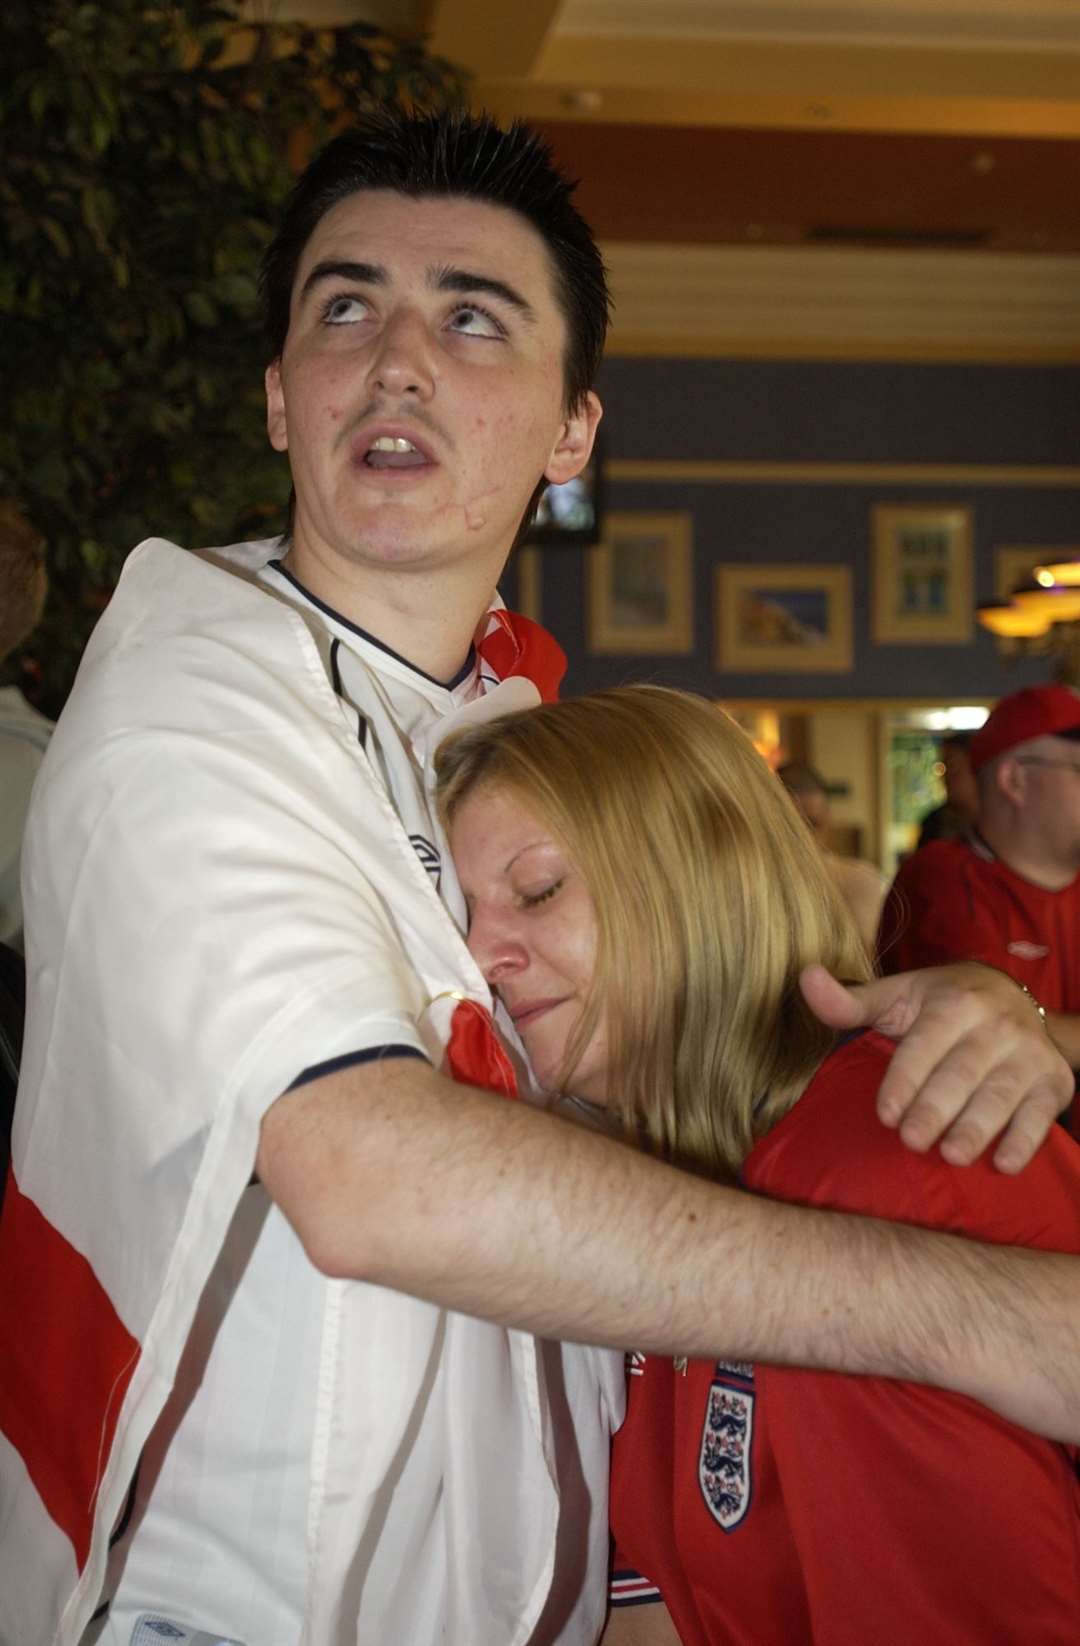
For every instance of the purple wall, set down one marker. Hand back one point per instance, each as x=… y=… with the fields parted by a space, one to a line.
x=786 y=411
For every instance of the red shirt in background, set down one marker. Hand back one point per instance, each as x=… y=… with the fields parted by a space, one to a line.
x=773 y=1507
x=954 y=900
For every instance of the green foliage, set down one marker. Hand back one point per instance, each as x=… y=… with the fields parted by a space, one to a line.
x=146 y=155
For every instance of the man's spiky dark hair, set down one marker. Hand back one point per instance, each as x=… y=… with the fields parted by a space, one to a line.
x=453 y=155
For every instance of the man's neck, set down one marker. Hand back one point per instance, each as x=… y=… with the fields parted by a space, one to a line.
x=429 y=620
x=1023 y=856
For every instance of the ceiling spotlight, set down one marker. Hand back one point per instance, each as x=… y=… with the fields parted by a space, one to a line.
x=1060 y=571
x=581 y=100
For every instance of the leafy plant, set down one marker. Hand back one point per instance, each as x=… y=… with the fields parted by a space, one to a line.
x=147 y=151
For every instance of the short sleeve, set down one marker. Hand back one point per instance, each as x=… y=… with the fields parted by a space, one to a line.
x=627 y=1587
x=218 y=898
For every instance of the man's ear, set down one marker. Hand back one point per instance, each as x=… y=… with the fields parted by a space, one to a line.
x=276 y=424
x=1010 y=779
x=574 y=446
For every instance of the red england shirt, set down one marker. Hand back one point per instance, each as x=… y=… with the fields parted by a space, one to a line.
x=773 y=1507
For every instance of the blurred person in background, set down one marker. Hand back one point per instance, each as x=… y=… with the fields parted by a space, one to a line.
x=860 y=884
x=957 y=811
x=24 y=733
x=1008 y=892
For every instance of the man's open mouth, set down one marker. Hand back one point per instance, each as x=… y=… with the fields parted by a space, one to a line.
x=393 y=451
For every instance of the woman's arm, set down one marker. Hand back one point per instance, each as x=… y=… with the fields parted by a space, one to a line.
x=640 y=1626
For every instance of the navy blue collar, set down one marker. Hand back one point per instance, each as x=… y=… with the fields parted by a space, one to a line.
x=373 y=639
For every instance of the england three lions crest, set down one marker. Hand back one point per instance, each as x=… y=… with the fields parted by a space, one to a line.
x=727 y=1436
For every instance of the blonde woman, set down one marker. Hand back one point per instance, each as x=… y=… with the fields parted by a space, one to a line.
x=642 y=900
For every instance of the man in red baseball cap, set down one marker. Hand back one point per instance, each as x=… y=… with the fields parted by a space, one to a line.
x=1027 y=717
x=1008 y=892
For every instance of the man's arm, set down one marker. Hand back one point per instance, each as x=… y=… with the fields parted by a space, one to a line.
x=937 y=919
x=919 y=929
x=392 y=1174
x=979 y=1066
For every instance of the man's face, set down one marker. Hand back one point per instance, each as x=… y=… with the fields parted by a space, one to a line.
x=1051 y=788
x=420 y=391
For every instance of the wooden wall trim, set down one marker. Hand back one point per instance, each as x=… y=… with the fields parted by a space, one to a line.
x=650 y=471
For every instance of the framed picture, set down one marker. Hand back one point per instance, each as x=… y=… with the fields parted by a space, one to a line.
x=922 y=574
x=783 y=619
x=641 y=584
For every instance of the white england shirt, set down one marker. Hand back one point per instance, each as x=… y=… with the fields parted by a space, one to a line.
x=236 y=807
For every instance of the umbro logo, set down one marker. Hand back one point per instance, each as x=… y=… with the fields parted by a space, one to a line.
x=1028 y=951
x=429 y=857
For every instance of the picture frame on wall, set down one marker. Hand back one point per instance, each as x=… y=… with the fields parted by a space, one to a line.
x=640 y=585
x=922 y=575
x=784 y=619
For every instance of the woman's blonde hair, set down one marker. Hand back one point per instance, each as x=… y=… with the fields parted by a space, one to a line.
x=709 y=896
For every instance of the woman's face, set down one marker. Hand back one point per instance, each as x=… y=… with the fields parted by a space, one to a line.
x=532 y=931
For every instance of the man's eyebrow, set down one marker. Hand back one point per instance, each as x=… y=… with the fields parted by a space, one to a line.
x=464 y=281
x=367 y=274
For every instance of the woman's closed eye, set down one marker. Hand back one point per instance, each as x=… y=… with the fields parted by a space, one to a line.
x=530 y=900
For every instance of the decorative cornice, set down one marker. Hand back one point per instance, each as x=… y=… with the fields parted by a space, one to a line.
x=821 y=301
x=952 y=23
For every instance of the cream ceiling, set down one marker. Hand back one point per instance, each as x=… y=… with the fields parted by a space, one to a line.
x=909 y=65
x=961 y=22
x=861 y=88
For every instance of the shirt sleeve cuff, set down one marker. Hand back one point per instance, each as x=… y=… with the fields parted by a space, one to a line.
x=629 y=1588
x=348 y=1060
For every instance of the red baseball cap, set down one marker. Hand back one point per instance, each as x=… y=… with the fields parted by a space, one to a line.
x=1039 y=711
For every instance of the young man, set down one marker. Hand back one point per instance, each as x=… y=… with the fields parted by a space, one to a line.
x=1008 y=892
x=271 y=1331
